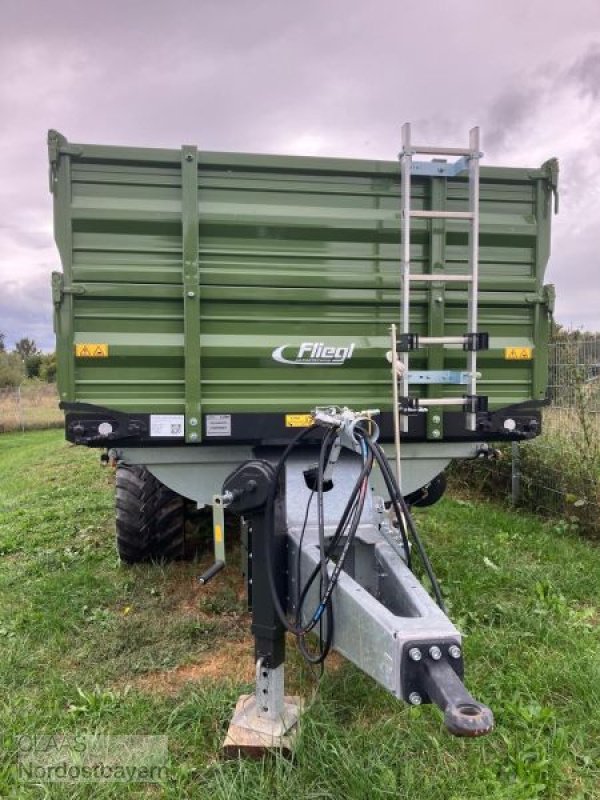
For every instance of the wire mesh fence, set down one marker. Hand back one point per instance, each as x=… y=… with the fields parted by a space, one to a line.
x=558 y=473
x=29 y=406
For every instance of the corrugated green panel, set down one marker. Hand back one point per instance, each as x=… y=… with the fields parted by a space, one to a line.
x=290 y=250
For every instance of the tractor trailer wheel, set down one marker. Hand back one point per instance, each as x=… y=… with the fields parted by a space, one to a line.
x=149 y=517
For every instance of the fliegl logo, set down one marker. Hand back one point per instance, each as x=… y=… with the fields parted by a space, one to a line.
x=313 y=354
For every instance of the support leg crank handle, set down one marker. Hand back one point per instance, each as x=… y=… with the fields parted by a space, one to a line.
x=210 y=573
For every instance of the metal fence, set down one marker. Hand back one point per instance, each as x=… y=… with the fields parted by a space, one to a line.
x=29 y=406
x=558 y=473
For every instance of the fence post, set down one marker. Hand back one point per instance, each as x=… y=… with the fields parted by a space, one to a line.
x=515 y=477
x=20 y=407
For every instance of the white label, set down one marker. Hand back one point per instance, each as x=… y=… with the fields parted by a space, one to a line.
x=167 y=425
x=218 y=424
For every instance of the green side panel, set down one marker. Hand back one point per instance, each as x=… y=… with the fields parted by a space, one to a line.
x=194 y=271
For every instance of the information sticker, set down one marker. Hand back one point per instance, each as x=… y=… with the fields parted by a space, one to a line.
x=91 y=350
x=218 y=424
x=298 y=420
x=167 y=426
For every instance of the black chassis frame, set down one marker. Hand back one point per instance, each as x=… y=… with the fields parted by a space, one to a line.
x=82 y=421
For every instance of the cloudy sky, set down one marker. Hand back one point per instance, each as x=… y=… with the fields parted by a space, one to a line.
x=316 y=77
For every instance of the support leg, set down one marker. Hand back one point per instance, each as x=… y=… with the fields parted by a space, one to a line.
x=266 y=720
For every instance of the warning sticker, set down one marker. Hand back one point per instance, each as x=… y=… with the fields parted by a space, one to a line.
x=518 y=353
x=91 y=350
x=298 y=420
x=167 y=426
x=218 y=424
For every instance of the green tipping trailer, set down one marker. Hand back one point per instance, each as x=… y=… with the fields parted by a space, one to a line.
x=217 y=309
x=212 y=299
x=202 y=278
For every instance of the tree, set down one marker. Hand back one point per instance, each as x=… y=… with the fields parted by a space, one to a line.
x=2 y=342
x=33 y=364
x=26 y=347
x=12 y=371
x=48 y=368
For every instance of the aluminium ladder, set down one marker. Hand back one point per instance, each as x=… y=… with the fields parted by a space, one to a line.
x=472 y=341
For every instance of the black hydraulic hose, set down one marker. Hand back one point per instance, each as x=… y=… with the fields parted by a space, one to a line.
x=399 y=516
x=349 y=509
x=355 y=509
x=297 y=630
x=320 y=507
x=395 y=493
x=269 y=523
x=332 y=581
x=350 y=519
x=324 y=645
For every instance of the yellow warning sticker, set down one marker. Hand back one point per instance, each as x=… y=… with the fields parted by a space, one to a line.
x=298 y=420
x=91 y=350
x=218 y=533
x=518 y=353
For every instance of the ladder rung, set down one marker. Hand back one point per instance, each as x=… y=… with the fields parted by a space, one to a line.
x=470 y=341
x=441 y=340
x=442 y=214
x=441 y=277
x=472 y=404
x=440 y=151
x=441 y=401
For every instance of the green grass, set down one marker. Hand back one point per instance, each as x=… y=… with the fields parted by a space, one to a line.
x=559 y=471
x=84 y=641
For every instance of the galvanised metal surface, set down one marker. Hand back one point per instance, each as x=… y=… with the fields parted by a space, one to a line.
x=290 y=251
x=379 y=605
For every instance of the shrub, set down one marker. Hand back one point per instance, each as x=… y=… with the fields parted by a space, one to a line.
x=12 y=370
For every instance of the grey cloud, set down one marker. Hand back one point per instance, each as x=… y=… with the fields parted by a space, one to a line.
x=586 y=72
x=508 y=114
x=27 y=311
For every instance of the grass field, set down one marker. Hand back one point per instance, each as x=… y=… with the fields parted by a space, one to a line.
x=31 y=406
x=89 y=646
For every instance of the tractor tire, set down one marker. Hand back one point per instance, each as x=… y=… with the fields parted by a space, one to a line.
x=149 y=517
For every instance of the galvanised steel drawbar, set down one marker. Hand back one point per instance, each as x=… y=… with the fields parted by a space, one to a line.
x=213 y=308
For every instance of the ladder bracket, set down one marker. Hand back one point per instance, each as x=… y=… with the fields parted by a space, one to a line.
x=440 y=168
x=476 y=341
x=474 y=403
x=408 y=342
x=439 y=377
x=408 y=405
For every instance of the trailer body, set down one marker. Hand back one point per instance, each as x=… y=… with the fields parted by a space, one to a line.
x=211 y=299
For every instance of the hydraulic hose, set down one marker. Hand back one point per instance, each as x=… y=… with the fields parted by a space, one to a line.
x=348 y=524
x=396 y=494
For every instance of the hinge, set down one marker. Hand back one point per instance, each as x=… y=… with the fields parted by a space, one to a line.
x=55 y=139
x=59 y=290
x=57 y=146
x=549 y=297
x=551 y=169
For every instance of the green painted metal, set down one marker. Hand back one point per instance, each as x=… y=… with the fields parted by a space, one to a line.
x=436 y=302
x=279 y=250
x=191 y=293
